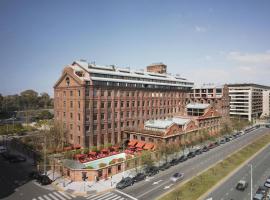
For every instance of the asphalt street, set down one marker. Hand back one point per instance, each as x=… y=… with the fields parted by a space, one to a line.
x=154 y=187
x=261 y=170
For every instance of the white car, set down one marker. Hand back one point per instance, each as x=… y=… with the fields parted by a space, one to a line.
x=3 y=149
x=177 y=176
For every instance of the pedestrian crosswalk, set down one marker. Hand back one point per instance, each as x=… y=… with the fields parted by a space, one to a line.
x=106 y=196
x=55 y=196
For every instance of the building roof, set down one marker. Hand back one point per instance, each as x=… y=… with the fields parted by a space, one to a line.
x=249 y=85
x=159 y=124
x=208 y=86
x=102 y=73
x=180 y=121
x=198 y=105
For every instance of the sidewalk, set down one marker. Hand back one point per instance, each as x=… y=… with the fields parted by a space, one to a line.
x=83 y=188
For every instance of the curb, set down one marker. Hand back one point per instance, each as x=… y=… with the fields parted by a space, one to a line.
x=200 y=198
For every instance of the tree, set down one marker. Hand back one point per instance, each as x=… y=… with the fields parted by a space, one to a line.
x=225 y=128
x=146 y=158
x=29 y=99
x=45 y=114
x=44 y=100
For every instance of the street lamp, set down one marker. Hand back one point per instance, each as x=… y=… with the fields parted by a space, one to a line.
x=251 y=184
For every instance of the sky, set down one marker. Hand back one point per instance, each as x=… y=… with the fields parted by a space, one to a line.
x=225 y=41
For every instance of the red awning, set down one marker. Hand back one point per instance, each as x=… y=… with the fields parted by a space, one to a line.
x=78 y=156
x=92 y=153
x=104 y=150
x=140 y=144
x=67 y=148
x=132 y=142
x=148 y=146
x=76 y=146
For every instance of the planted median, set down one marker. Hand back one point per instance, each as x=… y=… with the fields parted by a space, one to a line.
x=197 y=186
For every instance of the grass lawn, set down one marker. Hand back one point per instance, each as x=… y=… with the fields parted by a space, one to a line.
x=200 y=184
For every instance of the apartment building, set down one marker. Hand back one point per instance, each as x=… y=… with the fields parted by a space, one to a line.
x=246 y=100
x=266 y=103
x=97 y=103
x=215 y=95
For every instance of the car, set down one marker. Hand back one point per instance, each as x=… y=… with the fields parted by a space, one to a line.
x=165 y=166
x=3 y=149
x=241 y=185
x=182 y=158
x=227 y=139
x=44 y=180
x=205 y=149
x=222 y=141
x=138 y=177
x=177 y=176
x=191 y=154
x=258 y=196
x=211 y=146
x=17 y=158
x=198 y=151
x=34 y=175
x=151 y=171
x=125 y=182
x=174 y=162
x=217 y=143
x=262 y=190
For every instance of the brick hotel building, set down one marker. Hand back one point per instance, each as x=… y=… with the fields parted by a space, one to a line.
x=97 y=103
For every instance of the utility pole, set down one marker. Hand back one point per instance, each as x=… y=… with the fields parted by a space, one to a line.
x=45 y=142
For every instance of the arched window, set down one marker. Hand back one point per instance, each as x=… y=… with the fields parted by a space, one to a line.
x=67 y=81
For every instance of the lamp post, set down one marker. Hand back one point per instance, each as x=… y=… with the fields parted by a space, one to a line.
x=251 y=184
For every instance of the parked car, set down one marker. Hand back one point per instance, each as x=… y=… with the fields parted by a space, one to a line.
x=227 y=139
x=205 y=149
x=258 y=196
x=125 y=182
x=241 y=185
x=165 y=166
x=262 y=190
x=34 y=175
x=198 y=151
x=177 y=176
x=191 y=154
x=211 y=146
x=216 y=143
x=138 y=177
x=151 y=171
x=222 y=141
x=182 y=158
x=174 y=162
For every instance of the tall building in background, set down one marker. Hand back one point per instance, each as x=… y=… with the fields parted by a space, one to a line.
x=246 y=100
x=215 y=95
x=97 y=103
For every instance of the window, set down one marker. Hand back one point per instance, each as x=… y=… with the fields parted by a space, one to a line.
x=71 y=93
x=102 y=126
x=79 y=104
x=64 y=103
x=109 y=125
x=142 y=138
x=95 y=127
x=79 y=116
x=79 y=128
x=95 y=116
x=64 y=114
x=71 y=115
x=71 y=104
x=79 y=139
x=64 y=93
x=71 y=136
x=109 y=105
x=67 y=81
x=102 y=104
x=79 y=93
x=71 y=126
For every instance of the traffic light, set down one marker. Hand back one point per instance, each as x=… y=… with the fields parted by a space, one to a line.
x=84 y=177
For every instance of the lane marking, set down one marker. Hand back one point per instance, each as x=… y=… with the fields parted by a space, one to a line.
x=126 y=194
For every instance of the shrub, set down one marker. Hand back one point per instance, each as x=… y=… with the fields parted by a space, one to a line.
x=112 y=162
x=128 y=157
x=89 y=167
x=120 y=159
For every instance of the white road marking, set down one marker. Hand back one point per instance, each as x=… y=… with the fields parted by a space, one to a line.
x=126 y=195
x=46 y=197
x=105 y=196
x=65 y=195
x=58 y=195
x=156 y=182
x=40 y=198
x=98 y=196
x=51 y=195
x=168 y=186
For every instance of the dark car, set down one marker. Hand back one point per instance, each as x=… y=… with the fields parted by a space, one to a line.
x=241 y=185
x=198 y=151
x=125 y=182
x=165 y=166
x=227 y=139
x=17 y=158
x=211 y=145
x=138 y=177
x=151 y=171
x=216 y=143
x=191 y=154
x=182 y=158
x=174 y=162
x=205 y=149
x=45 y=180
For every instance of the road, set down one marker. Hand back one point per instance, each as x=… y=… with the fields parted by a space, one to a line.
x=261 y=171
x=155 y=186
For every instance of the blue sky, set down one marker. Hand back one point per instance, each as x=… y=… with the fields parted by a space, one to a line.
x=204 y=41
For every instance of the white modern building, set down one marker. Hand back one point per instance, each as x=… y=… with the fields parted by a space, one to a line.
x=266 y=103
x=246 y=100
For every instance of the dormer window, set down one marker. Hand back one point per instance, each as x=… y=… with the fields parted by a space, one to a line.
x=67 y=81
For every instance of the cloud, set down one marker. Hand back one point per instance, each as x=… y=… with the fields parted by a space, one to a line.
x=249 y=58
x=200 y=29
